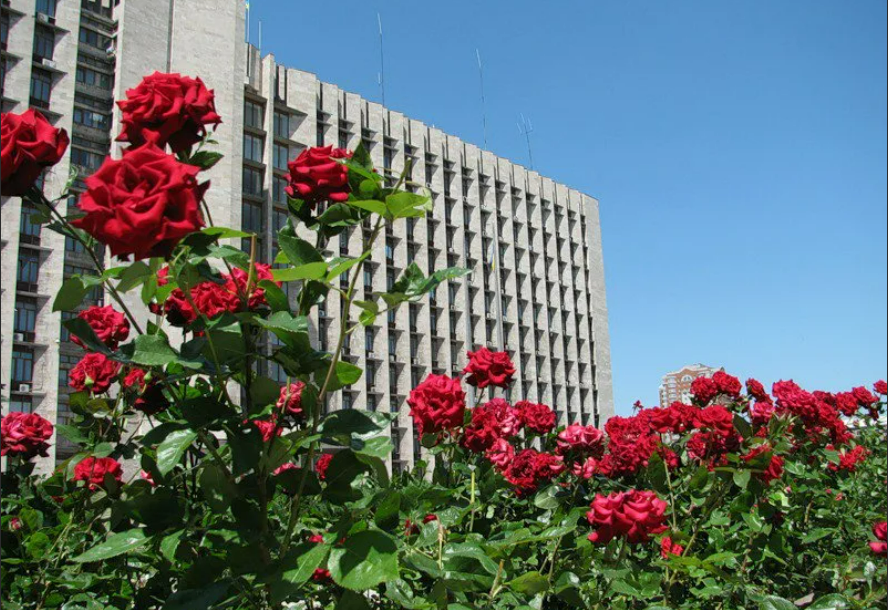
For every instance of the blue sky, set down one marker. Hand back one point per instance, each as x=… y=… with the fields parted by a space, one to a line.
x=738 y=150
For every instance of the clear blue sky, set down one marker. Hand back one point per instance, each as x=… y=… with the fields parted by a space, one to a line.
x=738 y=150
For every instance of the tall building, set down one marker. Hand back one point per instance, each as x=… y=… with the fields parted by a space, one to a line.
x=676 y=386
x=537 y=289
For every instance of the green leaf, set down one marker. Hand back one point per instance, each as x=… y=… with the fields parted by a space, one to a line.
x=776 y=603
x=114 y=545
x=530 y=583
x=298 y=251
x=81 y=329
x=216 y=488
x=309 y=271
x=345 y=374
x=296 y=568
x=152 y=350
x=742 y=477
x=340 y=266
x=70 y=295
x=224 y=233
x=371 y=205
x=352 y=601
x=196 y=599
x=205 y=159
x=170 y=544
x=404 y=205
x=173 y=447
x=277 y=298
x=344 y=468
x=830 y=602
x=364 y=561
x=292 y=330
x=133 y=276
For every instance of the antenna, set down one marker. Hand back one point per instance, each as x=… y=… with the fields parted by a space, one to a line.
x=381 y=60
x=483 y=105
x=525 y=128
x=247 y=6
x=259 y=46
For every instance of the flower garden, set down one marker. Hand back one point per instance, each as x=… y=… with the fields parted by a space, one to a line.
x=247 y=495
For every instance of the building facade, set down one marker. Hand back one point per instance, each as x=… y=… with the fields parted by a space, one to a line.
x=537 y=287
x=676 y=386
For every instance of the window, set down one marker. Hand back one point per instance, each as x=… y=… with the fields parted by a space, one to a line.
x=41 y=86
x=28 y=265
x=94 y=39
x=22 y=366
x=253 y=113
x=86 y=159
x=20 y=404
x=389 y=252
x=368 y=279
x=253 y=148
x=30 y=231
x=252 y=181
x=282 y=125
x=25 y=315
x=368 y=339
x=281 y=156
x=94 y=78
x=47 y=7
x=346 y=400
x=66 y=363
x=278 y=189
x=96 y=120
x=4 y=29
x=320 y=135
x=251 y=217
x=44 y=43
x=65 y=333
x=393 y=345
x=279 y=219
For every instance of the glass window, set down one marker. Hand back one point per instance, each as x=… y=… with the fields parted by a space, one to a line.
x=253 y=114
x=282 y=125
x=320 y=135
x=393 y=345
x=253 y=148
x=94 y=39
x=44 y=43
x=4 y=28
x=368 y=339
x=41 y=87
x=279 y=219
x=94 y=78
x=88 y=160
x=251 y=217
x=92 y=119
x=47 y=7
x=252 y=181
x=22 y=366
x=66 y=363
x=25 y=315
x=281 y=156
x=20 y=404
x=278 y=188
x=28 y=265
x=27 y=228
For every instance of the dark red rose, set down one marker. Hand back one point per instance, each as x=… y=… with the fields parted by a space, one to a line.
x=322 y=465
x=704 y=390
x=668 y=547
x=633 y=515
x=151 y=400
x=268 y=428
x=582 y=441
x=437 y=404
x=290 y=400
x=94 y=373
x=712 y=448
x=24 y=435
x=727 y=384
x=676 y=418
x=848 y=460
x=15 y=524
x=500 y=454
x=881 y=387
x=755 y=389
x=537 y=418
x=30 y=144
x=111 y=326
x=761 y=412
x=315 y=176
x=430 y=518
x=880 y=531
x=846 y=403
x=530 y=468
x=284 y=468
x=586 y=469
x=142 y=204
x=489 y=368
x=774 y=468
x=167 y=109
x=322 y=576
x=92 y=470
x=493 y=420
x=135 y=380
x=715 y=418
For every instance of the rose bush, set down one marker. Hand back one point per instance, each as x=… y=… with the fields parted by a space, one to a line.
x=201 y=483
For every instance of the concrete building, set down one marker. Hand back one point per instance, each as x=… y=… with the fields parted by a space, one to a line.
x=676 y=386
x=535 y=245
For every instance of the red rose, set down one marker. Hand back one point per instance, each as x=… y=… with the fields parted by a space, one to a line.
x=675 y=418
x=322 y=465
x=24 y=435
x=15 y=524
x=501 y=453
x=315 y=176
x=715 y=418
x=290 y=400
x=437 y=404
x=110 y=326
x=774 y=468
x=880 y=531
x=581 y=440
x=846 y=403
x=142 y=204
x=29 y=145
x=881 y=387
x=92 y=470
x=493 y=420
x=167 y=109
x=430 y=518
x=848 y=460
x=94 y=373
x=268 y=428
x=864 y=397
x=755 y=389
x=151 y=400
x=489 y=368
x=135 y=380
x=633 y=515
x=668 y=547
x=704 y=390
x=284 y=468
x=712 y=448
x=480 y=436
x=585 y=470
x=537 y=418
x=146 y=476
x=761 y=412
x=529 y=468
x=727 y=384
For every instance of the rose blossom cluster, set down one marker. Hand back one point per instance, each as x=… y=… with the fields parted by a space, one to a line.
x=631 y=515
x=24 y=435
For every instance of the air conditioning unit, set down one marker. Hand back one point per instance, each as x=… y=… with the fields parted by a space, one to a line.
x=370 y=356
x=371 y=387
x=48 y=63
x=415 y=361
x=24 y=387
x=44 y=18
x=18 y=336
x=392 y=358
